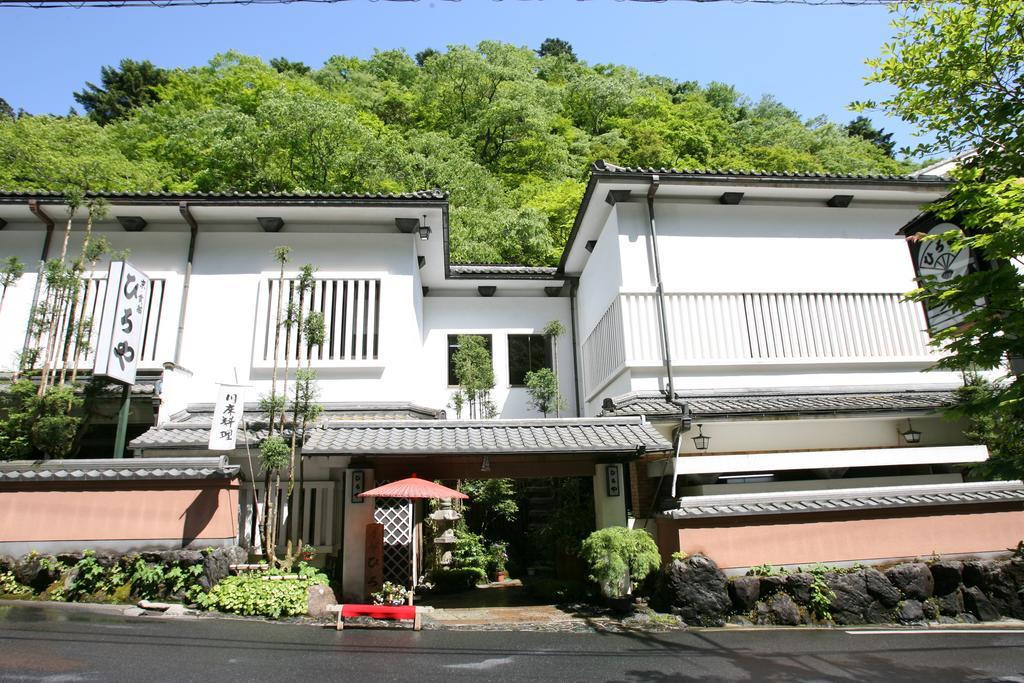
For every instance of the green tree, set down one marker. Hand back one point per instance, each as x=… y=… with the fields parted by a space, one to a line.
x=11 y=270
x=474 y=371
x=862 y=127
x=556 y=47
x=958 y=74
x=542 y=386
x=123 y=89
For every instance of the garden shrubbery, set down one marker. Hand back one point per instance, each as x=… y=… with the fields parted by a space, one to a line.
x=261 y=594
x=189 y=576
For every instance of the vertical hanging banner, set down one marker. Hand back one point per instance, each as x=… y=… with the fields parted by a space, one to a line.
x=122 y=323
x=227 y=417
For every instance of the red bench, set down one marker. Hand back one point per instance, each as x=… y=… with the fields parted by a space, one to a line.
x=376 y=612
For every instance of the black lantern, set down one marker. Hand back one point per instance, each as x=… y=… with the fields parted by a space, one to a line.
x=424 y=229
x=700 y=442
x=911 y=435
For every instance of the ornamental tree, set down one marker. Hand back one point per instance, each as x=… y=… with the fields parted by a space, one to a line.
x=958 y=74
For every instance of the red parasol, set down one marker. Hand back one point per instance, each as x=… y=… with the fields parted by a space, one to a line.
x=413 y=487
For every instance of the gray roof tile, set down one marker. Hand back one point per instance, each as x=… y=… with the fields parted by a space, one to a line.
x=605 y=167
x=392 y=437
x=7 y=195
x=779 y=403
x=499 y=270
x=496 y=436
x=117 y=470
x=793 y=502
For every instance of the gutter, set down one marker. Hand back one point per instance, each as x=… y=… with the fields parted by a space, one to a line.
x=194 y=231
x=37 y=211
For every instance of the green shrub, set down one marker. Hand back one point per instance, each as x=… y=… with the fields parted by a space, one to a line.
x=469 y=552
x=620 y=558
x=454 y=580
x=254 y=594
x=10 y=586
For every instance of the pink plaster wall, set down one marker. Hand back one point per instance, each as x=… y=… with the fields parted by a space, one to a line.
x=750 y=541
x=72 y=514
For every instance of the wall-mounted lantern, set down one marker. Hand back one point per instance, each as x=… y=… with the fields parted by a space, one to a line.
x=911 y=435
x=424 y=229
x=700 y=442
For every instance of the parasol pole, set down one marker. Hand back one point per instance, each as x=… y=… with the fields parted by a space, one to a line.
x=412 y=509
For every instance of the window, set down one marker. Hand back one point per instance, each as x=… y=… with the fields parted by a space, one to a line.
x=453 y=346
x=526 y=353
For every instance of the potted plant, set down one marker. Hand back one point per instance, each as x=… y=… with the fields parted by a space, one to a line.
x=498 y=560
x=619 y=559
x=391 y=594
x=308 y=553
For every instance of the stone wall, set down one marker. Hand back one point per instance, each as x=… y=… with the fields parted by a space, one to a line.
x=942 y=591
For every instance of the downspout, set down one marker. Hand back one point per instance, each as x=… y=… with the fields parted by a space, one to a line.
x=194 y=229
x=37 y=211
x=660 y=290
x=573 y=286
x=670 y=394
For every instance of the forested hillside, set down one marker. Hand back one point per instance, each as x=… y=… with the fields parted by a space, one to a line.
x=510 y=132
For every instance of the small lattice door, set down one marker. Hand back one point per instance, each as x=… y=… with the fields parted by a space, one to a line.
x=396 y=516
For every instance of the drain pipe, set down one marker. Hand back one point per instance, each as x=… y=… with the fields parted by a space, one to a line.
x=573 y=286
x=666 y=354
x=194 y=228
x=37 y=211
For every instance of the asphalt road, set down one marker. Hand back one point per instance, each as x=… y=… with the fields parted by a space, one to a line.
x=65 y=643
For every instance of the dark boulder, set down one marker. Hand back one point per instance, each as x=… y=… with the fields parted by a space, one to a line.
x=975 y=573
x=877 y=613
x=910 y=612
x=950 y=605
x=744 y=592
x=799 y=586
x=70 y=559
x=217 y=564
x=36 y=571
x=1005 y=580
x=879 y=587
x=694 y=589
x=850 y=601
x=946 y=575
x=913 y=579
x=930 y=609
x=779 y=610
x=6 y=563
x=184 y=558
x=979 y=605
x=770 y=585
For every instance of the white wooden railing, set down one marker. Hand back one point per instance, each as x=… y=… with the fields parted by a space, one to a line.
x=90 y=307
x=351 y=310
x=318 y=514
x=754 y=328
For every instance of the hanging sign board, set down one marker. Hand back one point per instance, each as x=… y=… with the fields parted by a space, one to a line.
x=122 y=323
x=227 y=417
x=373 y=567
x=935 y=259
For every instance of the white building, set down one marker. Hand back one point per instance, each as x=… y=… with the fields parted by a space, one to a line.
x=788 y=340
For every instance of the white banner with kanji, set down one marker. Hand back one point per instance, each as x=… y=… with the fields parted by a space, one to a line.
x=122 y=322
x=227 y=417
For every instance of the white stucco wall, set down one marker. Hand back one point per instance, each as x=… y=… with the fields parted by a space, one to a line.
x=601 y=279
x=498 y=316
x=763 y=248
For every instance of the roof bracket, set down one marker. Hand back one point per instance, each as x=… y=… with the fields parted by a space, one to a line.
x=487 y=290
x=553 y=291
x=730 y=198
x=615 y=196
x=840 y=201
x=132 y=223
x=271 y=223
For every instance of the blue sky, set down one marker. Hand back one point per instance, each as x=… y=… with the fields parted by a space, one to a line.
x=810 y=58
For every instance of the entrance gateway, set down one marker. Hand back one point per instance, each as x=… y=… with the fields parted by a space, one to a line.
x=380 y=451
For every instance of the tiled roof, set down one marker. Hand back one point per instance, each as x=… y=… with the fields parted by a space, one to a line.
x=840 y=500
x=202 y=413
x=117 y=470
x=778 y=404
x=494 y=436
x=470 y=270
x=433 y=194
x=605 y=167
